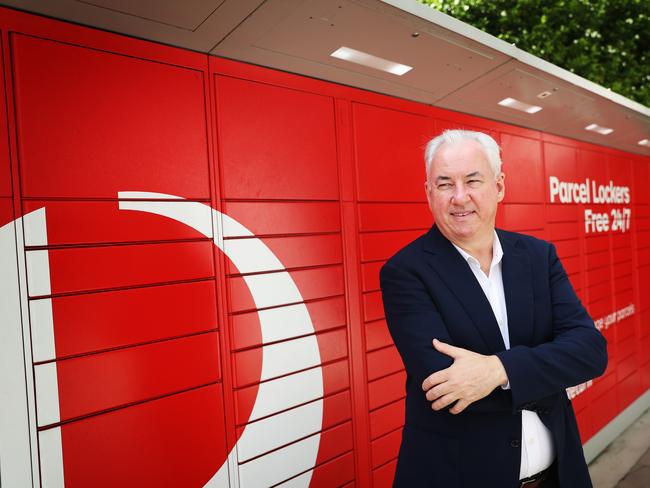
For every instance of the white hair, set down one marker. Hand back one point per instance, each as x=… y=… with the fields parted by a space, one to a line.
x=455 y=136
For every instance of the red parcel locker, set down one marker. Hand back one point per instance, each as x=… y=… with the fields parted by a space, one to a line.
x=194 y=244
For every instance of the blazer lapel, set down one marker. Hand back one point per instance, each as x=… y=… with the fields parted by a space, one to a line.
x=457 y=275
x=518 y=286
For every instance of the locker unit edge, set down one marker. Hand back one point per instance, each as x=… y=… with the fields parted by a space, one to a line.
x=190 y=250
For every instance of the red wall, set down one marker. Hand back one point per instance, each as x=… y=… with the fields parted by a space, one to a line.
x=158 y=343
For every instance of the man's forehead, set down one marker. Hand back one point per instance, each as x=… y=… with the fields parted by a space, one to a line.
x=462 y=149
x=461 y=158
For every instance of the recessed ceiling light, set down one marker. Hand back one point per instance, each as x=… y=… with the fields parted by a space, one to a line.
x=521 y=106
x=601 y=130
x=644 y=142
x=371 y=61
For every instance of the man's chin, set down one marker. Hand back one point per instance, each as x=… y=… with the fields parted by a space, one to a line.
x=459 y=233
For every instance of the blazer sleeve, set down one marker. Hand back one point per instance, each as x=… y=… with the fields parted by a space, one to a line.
x=576 y=353
x=414 y=321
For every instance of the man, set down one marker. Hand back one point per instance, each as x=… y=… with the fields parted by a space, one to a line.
x=491 y=333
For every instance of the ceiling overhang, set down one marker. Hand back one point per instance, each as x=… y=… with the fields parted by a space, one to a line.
x=454 y=65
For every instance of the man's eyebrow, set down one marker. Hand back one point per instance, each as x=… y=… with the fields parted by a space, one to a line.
x=470 y=175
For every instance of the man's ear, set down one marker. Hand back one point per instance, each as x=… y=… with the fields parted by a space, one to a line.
x=427 y=191
x=501 y=187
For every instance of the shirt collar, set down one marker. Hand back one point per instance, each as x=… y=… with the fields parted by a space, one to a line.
x=497 y=252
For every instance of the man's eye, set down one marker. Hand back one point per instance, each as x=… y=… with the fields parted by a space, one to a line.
x=444 y=186
x=474 y=182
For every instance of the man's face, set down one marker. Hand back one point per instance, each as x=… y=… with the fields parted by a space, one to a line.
x=463 y=192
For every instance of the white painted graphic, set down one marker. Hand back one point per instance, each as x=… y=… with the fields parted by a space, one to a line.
x=269 y=290
x=18 y=436
x=265 y=432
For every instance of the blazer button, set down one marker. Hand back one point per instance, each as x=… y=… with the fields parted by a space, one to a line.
x=515 y=443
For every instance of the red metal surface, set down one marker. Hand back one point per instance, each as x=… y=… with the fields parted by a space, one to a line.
x=74 y=141
x=302 y=251
x=75 y=222
x=335 y=472
x=5 y=161
x=261 y=158
x=126 y=266
x=90 y=384
x=524 y=167
x=380 y=162
x=278 y=218
x=133 y=446
x=93 y=322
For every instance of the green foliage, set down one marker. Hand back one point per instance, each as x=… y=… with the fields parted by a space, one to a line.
x=605 y=41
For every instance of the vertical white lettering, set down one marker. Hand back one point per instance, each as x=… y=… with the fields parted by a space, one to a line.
x=589 y=223
x=594 y=192
x=554 y=184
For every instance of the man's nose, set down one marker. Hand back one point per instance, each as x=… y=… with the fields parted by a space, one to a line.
x=460 y=195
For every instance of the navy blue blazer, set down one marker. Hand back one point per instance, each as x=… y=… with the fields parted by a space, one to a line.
x=429 y=292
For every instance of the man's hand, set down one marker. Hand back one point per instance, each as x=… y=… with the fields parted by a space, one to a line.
x=471 y=377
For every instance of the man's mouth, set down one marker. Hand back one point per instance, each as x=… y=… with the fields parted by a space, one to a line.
x=462 y=214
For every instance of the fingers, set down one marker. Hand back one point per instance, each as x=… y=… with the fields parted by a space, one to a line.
x=444 y=401
x=460 y=406
x=437 y=391
x=448 y=349
x=442 y=375
x=435 y=379
x=460 y=384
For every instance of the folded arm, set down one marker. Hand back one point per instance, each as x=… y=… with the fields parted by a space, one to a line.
x=414 y=321
x=576 y=353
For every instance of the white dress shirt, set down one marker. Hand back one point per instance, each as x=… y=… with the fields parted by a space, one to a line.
x=537 y=450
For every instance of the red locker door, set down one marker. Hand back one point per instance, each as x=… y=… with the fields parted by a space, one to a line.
x=277 y=152
x=122 y=299
x=389 y=150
